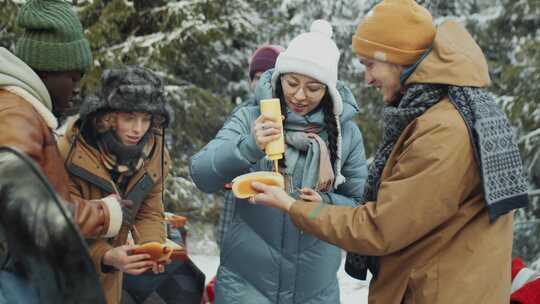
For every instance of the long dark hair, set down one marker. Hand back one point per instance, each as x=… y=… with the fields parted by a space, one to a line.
x=330 y=122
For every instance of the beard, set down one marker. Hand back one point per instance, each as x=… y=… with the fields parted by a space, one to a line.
x=69 y=110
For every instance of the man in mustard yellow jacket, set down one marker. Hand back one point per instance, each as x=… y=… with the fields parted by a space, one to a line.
x=436 y=216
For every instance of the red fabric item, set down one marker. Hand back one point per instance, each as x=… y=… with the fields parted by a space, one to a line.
x=210 y=290
x=528 y=294
x=517 y=265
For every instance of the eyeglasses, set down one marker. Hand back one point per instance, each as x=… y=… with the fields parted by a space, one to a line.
x=312 y=90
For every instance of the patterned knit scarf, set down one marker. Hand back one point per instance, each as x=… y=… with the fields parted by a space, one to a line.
x=495 y=146
x=121 y=160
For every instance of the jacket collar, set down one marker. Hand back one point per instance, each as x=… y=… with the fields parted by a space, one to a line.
x=42 y=110
x=84 y=162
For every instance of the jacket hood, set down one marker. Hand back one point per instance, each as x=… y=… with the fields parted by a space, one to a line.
x=455 y=59
x=264 y=90
x=18 y=78
x=15 y=73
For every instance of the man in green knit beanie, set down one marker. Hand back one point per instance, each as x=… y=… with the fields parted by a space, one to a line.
x=54 y=46
x=37 y=84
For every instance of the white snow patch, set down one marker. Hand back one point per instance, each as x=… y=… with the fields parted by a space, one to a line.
x=536 y=264
x=529 y=139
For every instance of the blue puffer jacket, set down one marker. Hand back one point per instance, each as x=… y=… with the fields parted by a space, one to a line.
x=264 y=257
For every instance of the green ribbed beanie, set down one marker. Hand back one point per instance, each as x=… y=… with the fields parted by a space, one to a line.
x=53 y=39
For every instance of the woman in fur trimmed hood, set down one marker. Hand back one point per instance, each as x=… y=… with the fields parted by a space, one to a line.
x=116 y=147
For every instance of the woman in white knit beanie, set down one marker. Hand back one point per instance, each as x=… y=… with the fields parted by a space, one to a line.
x=264 y=258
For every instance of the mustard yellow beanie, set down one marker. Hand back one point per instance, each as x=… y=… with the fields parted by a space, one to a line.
x=395 y=31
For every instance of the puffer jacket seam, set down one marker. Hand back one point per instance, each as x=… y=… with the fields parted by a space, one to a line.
x=323 y=290
x=281 y=263
x=250 y=284
x=297 y=262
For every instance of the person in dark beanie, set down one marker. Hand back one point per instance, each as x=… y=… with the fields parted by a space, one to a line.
x=436 y=216
x=116 y=147
x=36 y=88
x=263 y=59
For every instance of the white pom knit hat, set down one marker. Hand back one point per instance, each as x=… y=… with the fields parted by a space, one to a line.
x=313 y=54
x=316 y=55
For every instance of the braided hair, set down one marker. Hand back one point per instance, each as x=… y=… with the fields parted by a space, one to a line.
x=330 y=125
x=330 y=122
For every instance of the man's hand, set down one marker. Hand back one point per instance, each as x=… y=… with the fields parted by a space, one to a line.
x=272 y=196
x=120 y=258
x=310 y=195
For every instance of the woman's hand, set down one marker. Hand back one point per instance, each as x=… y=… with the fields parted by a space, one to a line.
x=272 y=196
x=120 y=258
x=265 y=130
x=160 y=267
x=310 y=195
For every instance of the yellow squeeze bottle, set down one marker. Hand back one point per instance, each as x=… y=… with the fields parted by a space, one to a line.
x=274 y=149
x=241 y=185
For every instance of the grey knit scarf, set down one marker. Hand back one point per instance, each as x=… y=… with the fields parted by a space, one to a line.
x=495 y=146
x=317 y=172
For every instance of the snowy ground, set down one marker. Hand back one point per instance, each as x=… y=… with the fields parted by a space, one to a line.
x=204 y=253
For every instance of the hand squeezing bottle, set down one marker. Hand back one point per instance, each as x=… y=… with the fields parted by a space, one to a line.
x=241 y=186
